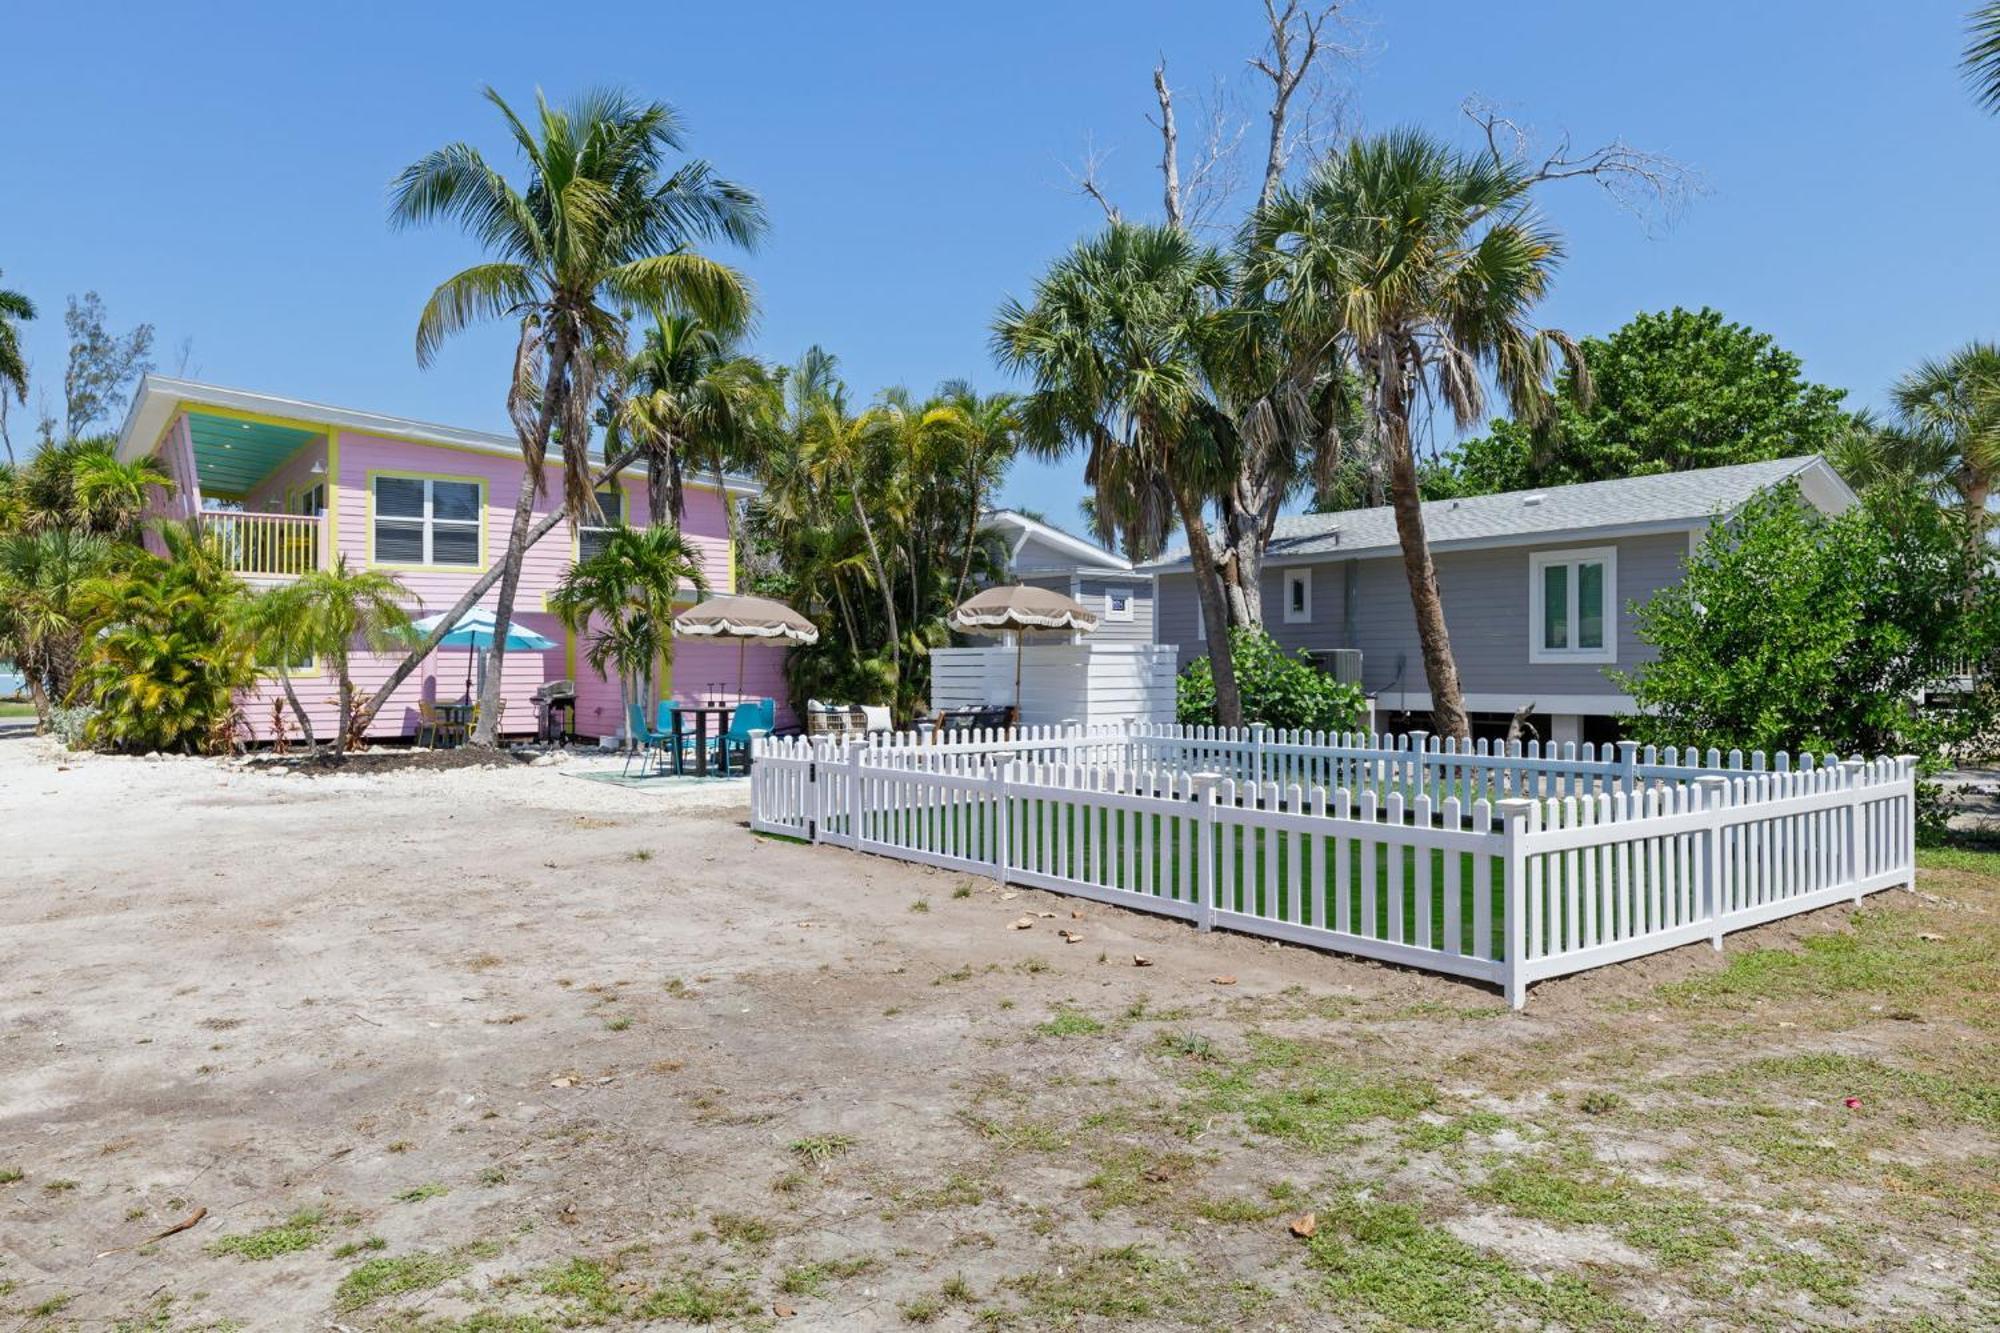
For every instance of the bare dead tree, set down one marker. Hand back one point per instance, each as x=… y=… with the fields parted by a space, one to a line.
x=1300 y=35
x=1652 y=186
x=1170 y=146
x=1085 y=178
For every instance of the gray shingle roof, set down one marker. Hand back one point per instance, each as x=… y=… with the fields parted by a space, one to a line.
x=1632 y=502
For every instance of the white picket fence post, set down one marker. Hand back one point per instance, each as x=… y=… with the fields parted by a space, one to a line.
x=1205 y=793
x=1515 y=819
x=1714 y=798
x=1003 y=806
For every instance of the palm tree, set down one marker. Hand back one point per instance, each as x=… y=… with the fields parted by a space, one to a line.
x=1117 y=344
x=1981 y=61
x=166 y=659
x=82 y=484
x=334 y=610
x=275 y=620
x=1950 y=410
x=14 y=308
x=693 y=400
x=984 y=431
x=43 y=578
x=624 y=597
x=847 y=455
x=1420 y=265
x=601 y=225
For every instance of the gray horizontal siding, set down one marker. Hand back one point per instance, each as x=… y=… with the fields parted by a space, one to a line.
x=1139 y=629
x=1485 y=596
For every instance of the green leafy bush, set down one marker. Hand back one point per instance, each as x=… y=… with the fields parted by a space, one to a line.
x=1279 y=689
x=1792 y=631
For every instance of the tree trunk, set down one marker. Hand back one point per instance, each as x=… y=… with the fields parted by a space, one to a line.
x=346 y=741
x=657 y=504
x=470 y=597
x=1208 y=586
x=881 y=577
x=1978 y=487
x=1440 y=670
x=487 y=731
x=298 y=710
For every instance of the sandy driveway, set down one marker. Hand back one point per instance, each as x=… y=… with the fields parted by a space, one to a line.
x=491 y=1050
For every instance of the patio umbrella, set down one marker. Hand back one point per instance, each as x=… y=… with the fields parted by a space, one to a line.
x=1020 y=608
x=734 y=616
x=475 y=630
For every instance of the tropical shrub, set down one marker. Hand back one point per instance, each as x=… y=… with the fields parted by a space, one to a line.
x=165 y=656
x=1792 y=631
x=71 y=726
x=1280 y=689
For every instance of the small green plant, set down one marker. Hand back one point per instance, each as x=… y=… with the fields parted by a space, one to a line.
x=688 y=1298
x=618 y=1024
x=963 y=890
x=1069 y=1022
x=819 y=1149
x=813 y=1278
x=741 y=1229
x=1600 y=1101
x=492 y=1175
x=59 y=1186
x=348 y=1249
x=10 y=1174
x=642 y=854
x=301 y=1231
x=921 y=1310
x=397 y=1275
x=419 y=1193
x=921 y=905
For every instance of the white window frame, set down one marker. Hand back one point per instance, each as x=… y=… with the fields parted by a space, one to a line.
x=1200 y=620
x=1111 y=612
x=429 y=522
x=1298 y=578
x=1573 y=557
x=616 y=493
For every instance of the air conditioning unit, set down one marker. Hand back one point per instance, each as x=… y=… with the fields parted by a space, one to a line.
x=1343 y=664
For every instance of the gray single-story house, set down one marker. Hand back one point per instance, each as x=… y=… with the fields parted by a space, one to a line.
x=1538 y=590
x=1104 y=581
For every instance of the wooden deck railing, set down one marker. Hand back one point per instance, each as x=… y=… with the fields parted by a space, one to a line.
x=268 y=545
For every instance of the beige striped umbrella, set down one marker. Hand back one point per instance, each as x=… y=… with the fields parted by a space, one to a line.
x=734 y=616
x=1021 y=608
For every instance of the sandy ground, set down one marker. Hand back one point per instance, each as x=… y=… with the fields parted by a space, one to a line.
x=527 y=1051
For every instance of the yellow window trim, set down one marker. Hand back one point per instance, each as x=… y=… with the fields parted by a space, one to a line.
x=368 y=517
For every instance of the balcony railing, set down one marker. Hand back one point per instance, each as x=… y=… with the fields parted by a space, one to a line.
x=267 y=545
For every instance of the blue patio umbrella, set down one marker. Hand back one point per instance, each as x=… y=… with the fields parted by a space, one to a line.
x=475 y=630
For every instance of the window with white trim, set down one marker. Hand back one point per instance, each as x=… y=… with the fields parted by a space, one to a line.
x=1117 y=603
x=426 y=521
x=1298 y=596
x=590 y=537
x=1573 y=605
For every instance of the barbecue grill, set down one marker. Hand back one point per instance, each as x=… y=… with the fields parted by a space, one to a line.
x=555 y=712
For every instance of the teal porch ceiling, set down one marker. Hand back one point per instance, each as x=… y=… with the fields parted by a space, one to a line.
x=231 y=456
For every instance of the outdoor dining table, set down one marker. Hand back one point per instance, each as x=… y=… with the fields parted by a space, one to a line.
x=701 y=713
x=458 y=715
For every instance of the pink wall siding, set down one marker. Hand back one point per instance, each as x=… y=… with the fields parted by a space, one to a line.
x=442 y=676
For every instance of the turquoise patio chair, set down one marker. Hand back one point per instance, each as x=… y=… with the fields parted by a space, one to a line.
x=749 y=721
x=681 y=742
x=649 y=740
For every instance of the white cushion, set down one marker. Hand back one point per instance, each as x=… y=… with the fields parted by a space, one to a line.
x=876 y=717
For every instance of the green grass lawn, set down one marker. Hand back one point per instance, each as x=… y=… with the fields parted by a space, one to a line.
x=23 y=709
x=1259 y=872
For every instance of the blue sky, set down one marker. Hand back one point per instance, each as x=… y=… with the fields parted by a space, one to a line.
x=220 y=170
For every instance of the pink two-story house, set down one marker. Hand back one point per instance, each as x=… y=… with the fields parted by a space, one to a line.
x=286 y=485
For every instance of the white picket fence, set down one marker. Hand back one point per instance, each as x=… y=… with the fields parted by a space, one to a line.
x=1507 y=864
